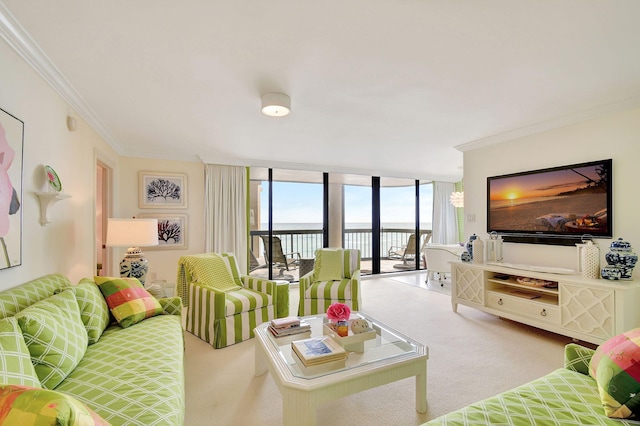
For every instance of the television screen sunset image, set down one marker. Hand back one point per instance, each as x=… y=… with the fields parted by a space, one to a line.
x=566 y=200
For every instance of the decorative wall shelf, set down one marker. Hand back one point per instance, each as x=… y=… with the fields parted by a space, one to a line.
x=46 y=199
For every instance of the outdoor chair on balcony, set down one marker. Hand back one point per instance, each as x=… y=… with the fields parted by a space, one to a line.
x=223 y=306
x=280 y=259
x=407 y=253
x=335 y=278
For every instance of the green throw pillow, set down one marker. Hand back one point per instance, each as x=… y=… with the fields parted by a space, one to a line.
x=615 y=366
x=128 y=300
x=328 y=265
x=213 y=271
x=93 y=308
x=15 y=360
x=56 y=338
x=28 y=406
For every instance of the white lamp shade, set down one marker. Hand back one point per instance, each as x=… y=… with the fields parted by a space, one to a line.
x=276 y=104
x=132 y=232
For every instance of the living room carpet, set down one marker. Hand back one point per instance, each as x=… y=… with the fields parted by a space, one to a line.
x=472 y=355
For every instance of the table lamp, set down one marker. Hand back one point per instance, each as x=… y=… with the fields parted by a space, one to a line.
x=133 y=233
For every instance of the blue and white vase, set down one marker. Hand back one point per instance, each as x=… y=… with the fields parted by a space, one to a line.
x=620 y=258
x=469 y=247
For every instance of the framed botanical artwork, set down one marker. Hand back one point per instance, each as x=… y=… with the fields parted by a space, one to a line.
x=11 y=144
x=160 y=190
x=172 y=231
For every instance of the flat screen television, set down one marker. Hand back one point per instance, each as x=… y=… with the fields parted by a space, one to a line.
x=552 y=206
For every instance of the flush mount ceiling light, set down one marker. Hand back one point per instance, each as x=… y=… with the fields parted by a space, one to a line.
x=276 y=104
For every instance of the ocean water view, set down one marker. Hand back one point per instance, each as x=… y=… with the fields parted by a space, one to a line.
x=358 y=225
x=357 y=235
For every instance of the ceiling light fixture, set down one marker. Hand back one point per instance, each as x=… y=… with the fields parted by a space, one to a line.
x=276 y=104
x=457 y=199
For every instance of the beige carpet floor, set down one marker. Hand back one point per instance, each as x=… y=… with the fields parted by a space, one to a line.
x=472 y=355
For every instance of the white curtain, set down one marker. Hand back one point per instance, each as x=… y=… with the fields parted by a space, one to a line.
x=445 y=223
x=226 y=211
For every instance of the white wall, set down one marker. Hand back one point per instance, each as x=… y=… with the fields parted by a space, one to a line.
x=163 y=264
x=616 y=136
x=65 y=245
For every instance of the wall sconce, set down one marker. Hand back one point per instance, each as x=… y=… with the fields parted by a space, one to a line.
x=457 y=199
x=72 y=123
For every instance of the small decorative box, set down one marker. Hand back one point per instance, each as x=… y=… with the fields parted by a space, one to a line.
x=352 y=342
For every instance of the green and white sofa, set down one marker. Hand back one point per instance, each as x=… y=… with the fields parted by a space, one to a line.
x=595 y=387
x=64 y=358
x=335 y=278
x=223 y=307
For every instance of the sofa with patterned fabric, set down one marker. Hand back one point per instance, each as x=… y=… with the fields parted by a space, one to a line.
x=223 y=306
x=335 y=278
x=596 y=387
x=103 y=351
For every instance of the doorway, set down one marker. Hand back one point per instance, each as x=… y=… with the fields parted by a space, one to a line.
x=104 y=179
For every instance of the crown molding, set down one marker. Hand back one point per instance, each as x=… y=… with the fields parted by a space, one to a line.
x=554 y=123
x=19 y=40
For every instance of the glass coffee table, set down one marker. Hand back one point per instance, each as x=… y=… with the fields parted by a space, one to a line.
x=388 y=357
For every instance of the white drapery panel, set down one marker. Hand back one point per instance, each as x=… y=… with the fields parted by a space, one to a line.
x=225 y=214
x=445 y=223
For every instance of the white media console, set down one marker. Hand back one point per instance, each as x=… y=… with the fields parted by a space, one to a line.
x=591 y=310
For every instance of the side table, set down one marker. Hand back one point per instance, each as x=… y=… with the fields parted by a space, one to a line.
x=282 y=298
x=306 y=266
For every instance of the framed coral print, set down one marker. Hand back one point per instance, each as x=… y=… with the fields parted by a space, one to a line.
x=11 y=143
x=172 y=231
x=162 y=190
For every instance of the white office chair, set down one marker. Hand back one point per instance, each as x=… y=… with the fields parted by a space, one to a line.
x=438 y=257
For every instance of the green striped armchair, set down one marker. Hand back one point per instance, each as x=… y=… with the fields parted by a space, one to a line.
x=335 y=278
x=223 y=307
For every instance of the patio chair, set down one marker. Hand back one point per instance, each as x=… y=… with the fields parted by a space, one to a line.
x=279 y=259
x=253 y=262
x=223 y=307
x=407 y=253
x=335 y=278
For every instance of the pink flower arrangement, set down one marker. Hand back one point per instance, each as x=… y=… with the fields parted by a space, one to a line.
x=338 y=312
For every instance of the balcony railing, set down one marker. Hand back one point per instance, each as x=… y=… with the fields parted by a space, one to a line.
x=307 y=241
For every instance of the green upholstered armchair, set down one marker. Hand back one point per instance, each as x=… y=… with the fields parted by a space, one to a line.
x=335 y=278
x=223 y=306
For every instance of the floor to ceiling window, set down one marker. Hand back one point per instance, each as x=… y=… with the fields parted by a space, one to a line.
x=292 y=203
x=293 y=213
x=356 y=222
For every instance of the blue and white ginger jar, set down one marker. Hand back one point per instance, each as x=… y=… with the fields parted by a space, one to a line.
x=621 y=260
x=469 y=247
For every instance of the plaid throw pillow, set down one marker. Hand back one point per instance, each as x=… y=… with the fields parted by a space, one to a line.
x=616 y=368
x=128 y=300
x=28 y=406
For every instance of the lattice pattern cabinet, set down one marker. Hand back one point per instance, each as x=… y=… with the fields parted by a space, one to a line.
x=591 y=310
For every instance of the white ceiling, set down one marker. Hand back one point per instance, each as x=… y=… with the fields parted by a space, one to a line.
x=386 y=87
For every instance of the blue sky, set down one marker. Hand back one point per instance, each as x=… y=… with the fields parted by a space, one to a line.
x=302 y=203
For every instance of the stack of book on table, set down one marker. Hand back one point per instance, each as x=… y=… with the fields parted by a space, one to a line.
x=288 y=326
x=317 y=351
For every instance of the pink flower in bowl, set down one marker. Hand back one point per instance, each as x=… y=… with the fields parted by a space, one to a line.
x=338 y=312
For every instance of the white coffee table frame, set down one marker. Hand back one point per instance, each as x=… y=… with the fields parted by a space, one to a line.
x=300 y=395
